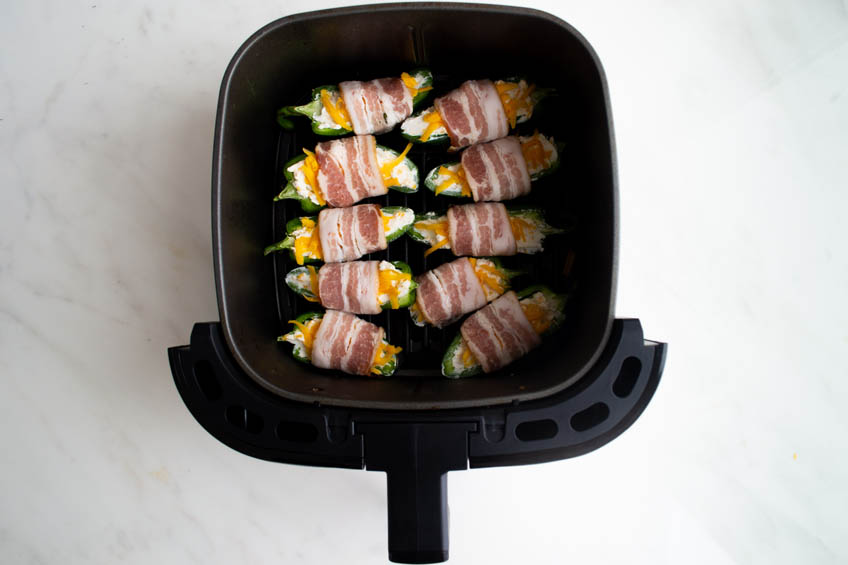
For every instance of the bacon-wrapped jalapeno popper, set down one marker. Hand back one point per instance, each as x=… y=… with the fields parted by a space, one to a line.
x=497 y=170
x=481 y=229
x=374 y=106
x=503 y=331
x=476 y=112
x=339 y=340
x=343 y=234
x=456 y=288
x=359 y=287
x=344 y=171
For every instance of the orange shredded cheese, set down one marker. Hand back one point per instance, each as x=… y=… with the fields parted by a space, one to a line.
x=310 y=173
x=336 y=109
x=383 y=355
x=313 y=284
x=457 y=177
x=537 y=316
x=412 y=84
x=515 y=96
x=468 y=357
x=535 y=154
x=434 y=122
x=308 y=330
x=441 y=229
x=417 y=310
x=308 y=243
x=437 y=246
x=519 y=225
x=390 y=284
x=387 y=168
x=488 y=275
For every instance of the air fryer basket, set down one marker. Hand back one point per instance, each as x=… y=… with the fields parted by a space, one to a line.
x=283 y=62
x=580 y=390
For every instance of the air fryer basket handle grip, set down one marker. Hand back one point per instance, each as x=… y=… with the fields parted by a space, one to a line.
x=418 y=517
x=416 y=458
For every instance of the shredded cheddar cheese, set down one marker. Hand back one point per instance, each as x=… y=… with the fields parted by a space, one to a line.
x=537 y=316
x=519 y=225
x=434 y=122
x=387 y=168
x=468 y=357
x=383 y=355
x=308 y=330
x=412 y=84
x=308 y=243
x=441 y=229
x=390 y=284
x=457 y=177
x=515 y=97
x=535 y=154
x=313 y=284
x=416 y=310
x=435 y=247
x=310 y=173
x=336 y=110
x=488 y=275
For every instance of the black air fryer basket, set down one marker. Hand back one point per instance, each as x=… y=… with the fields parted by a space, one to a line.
x=582 y=388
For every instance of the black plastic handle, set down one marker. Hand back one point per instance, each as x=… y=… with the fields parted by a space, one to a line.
x=416 y=449
x=416 y=457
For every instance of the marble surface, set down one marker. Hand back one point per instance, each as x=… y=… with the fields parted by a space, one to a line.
x=731 y=121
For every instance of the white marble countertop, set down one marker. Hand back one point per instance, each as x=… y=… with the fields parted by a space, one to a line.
x=731 y=121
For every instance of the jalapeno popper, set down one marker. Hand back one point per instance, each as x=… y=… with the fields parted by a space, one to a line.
x=344 y=171
x=375 y=106
x=359 y=287
x=505 y=330
x=476 y=112
x=453 y=289
x=339 y=340
x=484 y=228
x=498 y=170
x=343 y=234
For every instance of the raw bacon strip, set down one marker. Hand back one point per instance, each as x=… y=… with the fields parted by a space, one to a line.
x=449 y=291
x=473 y=113
x=348 y=170
x=480 y=229
x=499 y=333
x=496 y=170
x=349 y=233
x=350 y=287
x=346 y=342
x=376 y=106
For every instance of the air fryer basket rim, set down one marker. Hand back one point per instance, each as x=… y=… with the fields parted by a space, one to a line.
x=228 y=321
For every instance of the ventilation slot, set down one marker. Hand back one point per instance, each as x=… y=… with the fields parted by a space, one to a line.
x=297 y=432
x=243 y=419
x=590 y=417
x=204 y=375
x=536 y=430
x=627 y=377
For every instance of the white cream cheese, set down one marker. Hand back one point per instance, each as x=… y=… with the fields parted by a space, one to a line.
x=549 y=148
x=324 y=119
x=299 y=181
x=533 y=238
x=401 y=172
x=399 y=220
x=430 y=235
x=454 y=187
x=416 y=125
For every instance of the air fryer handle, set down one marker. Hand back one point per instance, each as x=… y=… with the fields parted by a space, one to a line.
x=416 y=458
x=418 y=517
